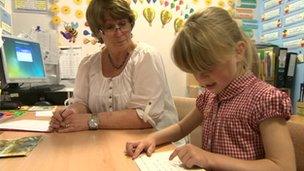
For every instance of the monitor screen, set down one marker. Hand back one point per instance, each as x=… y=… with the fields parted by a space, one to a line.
x=22 y=60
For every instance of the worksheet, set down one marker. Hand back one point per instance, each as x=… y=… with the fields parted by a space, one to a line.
x=160 y=162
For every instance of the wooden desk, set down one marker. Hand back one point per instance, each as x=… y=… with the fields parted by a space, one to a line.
x=85 y=150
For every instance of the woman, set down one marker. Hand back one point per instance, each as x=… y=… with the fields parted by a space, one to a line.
x=122 y=86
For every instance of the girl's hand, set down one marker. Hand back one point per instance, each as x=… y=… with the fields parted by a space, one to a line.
x=191 y=155
x=133 y=149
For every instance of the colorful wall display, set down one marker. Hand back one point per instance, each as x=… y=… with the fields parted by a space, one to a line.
x=282 y=23
x=171 y=13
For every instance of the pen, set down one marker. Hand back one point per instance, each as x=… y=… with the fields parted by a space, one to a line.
x=147 y=111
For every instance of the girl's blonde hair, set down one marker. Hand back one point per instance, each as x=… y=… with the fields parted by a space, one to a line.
x=207 y=38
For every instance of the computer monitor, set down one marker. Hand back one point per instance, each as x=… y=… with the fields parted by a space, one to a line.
x=22 y=61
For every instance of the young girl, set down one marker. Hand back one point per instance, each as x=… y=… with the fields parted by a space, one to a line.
x=243 y=118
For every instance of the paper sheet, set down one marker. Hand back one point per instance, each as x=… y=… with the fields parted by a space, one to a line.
x=69 y=60
x=26 y=125
x=44 y=113
x=160 y=161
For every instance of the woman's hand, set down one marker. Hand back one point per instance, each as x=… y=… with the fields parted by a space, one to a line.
x=57 y=120
x=67 y=120
x=133 y=149
x=191 y=155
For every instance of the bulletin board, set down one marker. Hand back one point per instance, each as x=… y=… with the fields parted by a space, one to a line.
x=282 y=23
x=30 y=6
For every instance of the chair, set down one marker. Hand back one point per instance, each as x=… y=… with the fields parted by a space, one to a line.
x=183 y=106
x=297 y=136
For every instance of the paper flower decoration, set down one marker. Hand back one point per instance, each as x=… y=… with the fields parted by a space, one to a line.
x=66 y=10
x=54 y=9
x=77 y=2
x=56 y=20
x=79 y=14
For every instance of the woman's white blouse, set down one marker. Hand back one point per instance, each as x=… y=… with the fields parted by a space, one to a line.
x=143 y=81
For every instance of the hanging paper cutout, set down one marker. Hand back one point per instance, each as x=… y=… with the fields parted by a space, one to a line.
x=86 y=32
x=86 y=41
x=165 y=17
x=135 y=14
x=172 y=5
x=178 y=24
x=166 y=3
x=221 y=3
x=149 y=14
x=208 y=2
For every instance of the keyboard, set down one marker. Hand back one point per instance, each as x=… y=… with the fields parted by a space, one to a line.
x=47 y=87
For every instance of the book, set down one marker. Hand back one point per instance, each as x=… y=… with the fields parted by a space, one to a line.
x=290 y=69
x=26 y=125
x=272 y=65
x=18 y=147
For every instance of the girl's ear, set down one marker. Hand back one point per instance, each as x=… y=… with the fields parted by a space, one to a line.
x=240 y=49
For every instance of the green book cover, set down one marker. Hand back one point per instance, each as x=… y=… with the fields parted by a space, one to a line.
x=18 y=147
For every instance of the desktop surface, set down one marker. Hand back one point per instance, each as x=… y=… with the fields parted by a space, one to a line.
x=85 y=150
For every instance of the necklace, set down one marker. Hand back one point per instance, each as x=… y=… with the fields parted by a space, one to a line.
x=118 y=66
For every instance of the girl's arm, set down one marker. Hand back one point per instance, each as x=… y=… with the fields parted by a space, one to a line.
x=279 y=152
x=169 y=134
x=181 y=129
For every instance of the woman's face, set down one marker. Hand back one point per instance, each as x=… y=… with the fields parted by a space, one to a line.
x=116 y=33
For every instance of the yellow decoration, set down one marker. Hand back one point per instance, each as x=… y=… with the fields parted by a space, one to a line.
x=149 y=14
x=79 y=14
x=54 y=9
x=66 y=10
x=221 y=3
x=178 y=24
x=195 y=2
x=165 y=17
x=88 y=1
x=208 y=2
x=77 y=2
x=141 y=1
x=56 y=20
x=94 y=41
x=231 y=3
x=86 y=41
x=135 y=14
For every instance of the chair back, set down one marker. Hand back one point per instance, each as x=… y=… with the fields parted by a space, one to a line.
x=184 y=105
x=296 y=131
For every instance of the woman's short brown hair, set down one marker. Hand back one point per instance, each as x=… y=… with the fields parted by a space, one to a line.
x=98 y=10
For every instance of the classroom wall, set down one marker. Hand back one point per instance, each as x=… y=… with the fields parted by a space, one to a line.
x=154 y=35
